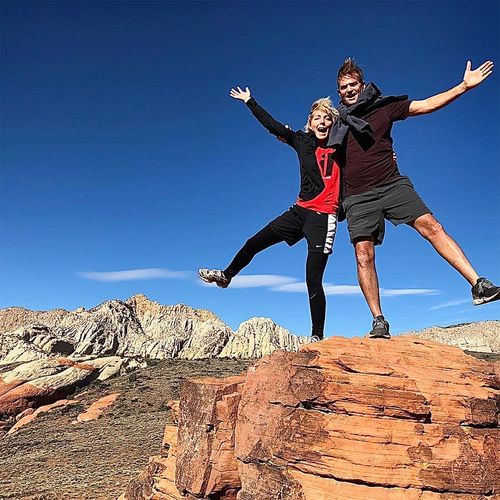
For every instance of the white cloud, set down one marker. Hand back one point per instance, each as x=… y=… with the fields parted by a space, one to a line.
x=341 y=289
x=450 y=303
x=135 y=274
x=407 y=291
x=258 y=280
x=287 y=284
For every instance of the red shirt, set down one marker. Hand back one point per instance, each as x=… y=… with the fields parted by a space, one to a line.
x=328 y=200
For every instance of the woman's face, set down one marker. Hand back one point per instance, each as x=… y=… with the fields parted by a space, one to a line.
x=320 y=123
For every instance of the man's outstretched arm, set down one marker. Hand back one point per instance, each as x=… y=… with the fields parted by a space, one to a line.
x=471 y=79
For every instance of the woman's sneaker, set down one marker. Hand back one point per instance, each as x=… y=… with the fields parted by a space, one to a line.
x=214 y=276
x=484 y=291
x=380 y=329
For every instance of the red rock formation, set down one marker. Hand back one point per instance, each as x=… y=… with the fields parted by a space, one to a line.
x=96 y=409
x=344 y=419
x=29 y=414
x=207 y=419
x=44 y=381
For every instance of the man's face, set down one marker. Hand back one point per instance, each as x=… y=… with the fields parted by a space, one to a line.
x=350 y=89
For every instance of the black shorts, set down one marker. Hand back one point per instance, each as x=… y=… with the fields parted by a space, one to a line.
x=318 y=228
x=366 y=213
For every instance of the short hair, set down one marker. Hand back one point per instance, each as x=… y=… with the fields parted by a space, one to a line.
x=323 y=104
x=350 y=68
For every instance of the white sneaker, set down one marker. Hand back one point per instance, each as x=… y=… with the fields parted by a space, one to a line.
x=214 y=276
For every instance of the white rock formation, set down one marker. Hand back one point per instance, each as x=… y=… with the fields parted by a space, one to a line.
x=259 y=337
x=483 y=336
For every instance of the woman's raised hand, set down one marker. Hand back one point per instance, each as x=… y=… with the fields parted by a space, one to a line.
x=242 y=95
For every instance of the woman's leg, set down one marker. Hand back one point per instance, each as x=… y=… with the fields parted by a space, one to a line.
x=265 y=238
x=315 y=268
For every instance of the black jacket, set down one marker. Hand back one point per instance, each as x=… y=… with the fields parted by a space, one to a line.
x=304 y=143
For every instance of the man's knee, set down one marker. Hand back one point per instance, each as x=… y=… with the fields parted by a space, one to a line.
x=428 y=226
x=365 y=252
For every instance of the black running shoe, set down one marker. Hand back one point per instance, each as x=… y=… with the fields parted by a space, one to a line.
x=484 y=291
x=380 y=329
x=315 y=338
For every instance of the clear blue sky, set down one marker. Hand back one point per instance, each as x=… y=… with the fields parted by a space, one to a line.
x=122 y=151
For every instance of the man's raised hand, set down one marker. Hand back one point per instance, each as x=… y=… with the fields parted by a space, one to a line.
x=242 y=95
x=472 y=78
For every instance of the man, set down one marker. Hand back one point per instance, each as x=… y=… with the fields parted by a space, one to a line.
x=374 y=189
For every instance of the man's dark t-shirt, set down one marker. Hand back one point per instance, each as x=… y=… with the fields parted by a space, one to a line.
x=369 y=161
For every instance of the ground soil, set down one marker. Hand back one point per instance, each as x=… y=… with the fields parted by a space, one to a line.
x=52 y=458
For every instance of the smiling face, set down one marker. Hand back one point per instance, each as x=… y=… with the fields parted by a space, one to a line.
x=350 y=88
x=320 y=122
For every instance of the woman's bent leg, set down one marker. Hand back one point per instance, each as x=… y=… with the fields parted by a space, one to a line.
x=265 y=238
x=315 y=268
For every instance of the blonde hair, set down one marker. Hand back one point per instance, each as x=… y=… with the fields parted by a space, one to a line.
x=323 y=104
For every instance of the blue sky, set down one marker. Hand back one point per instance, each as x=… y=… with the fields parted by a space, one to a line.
x=122 y=152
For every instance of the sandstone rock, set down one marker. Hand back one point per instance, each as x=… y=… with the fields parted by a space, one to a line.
x=137 y=327
x=190 y=333
x=259 y=337
x=348 y=419
x=29 y=414
x=13 y=318
x=483 y=336
x=28 y=343
x=44 y=381
x=357 y=419
x=96 y=409
x=24 y=413
x=206 y=465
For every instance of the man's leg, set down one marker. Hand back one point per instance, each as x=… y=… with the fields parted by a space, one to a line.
x=428 y=227
x=315 y=268
x=364 y=248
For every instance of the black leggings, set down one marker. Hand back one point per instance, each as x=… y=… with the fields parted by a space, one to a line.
x=315 y=268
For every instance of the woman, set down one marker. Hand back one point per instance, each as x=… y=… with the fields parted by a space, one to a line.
x=314 y=214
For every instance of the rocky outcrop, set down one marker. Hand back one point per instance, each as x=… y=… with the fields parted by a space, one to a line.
x=97 y=408
x=137 y=327
x=483 y=336
x=259 y=337
x=29 y=414
x=44 y=381
x=346 y=419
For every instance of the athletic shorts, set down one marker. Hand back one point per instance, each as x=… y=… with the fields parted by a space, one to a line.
x=317 y=228
x=397 y=202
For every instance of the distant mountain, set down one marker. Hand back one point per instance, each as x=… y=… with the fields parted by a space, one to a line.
x=137 y=327
x=482 y=336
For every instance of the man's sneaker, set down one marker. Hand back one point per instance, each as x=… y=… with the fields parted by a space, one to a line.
x=380 y=329
x=214 y=276
x=484 y=291
x=315 y=338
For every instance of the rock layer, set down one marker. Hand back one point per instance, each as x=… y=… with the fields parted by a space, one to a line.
x=44 y=381
x=483 y=336
x=137 y=327
x=344 y=419
x=404 y=414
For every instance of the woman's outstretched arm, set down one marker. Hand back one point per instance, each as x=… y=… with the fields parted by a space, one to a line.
x=275 y=127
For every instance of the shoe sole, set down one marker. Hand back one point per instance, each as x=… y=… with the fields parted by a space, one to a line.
x=485 y=300
x=208 y=280
x=202 y=278
x=379 y=335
